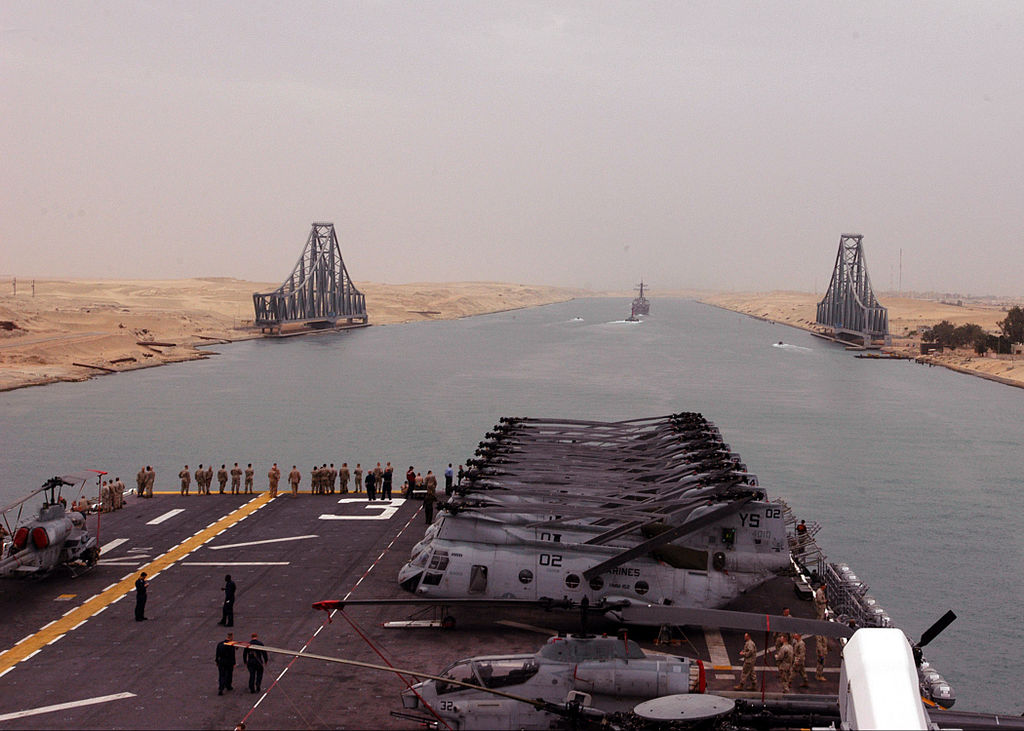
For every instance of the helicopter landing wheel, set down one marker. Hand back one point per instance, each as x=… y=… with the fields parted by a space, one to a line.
x=448 y=622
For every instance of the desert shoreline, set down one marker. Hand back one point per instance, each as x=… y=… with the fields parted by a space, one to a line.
x=61 y=330
x=907 y=317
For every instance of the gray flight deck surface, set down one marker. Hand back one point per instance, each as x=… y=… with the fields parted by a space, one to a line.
x=167 y=662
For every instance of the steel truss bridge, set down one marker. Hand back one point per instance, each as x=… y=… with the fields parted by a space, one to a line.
x=319 y=293
x=850 y=309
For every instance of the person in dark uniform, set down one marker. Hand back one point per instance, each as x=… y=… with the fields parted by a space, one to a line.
x=225 y=659
x=371 y=485
x=228 y=615
x=254 y=660
x=449 y=475
x=410 y=480
x=140 y=597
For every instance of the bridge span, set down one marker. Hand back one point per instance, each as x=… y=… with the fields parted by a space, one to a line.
x=319 y=294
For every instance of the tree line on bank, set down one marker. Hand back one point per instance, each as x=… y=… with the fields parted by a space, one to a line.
x=953 y=336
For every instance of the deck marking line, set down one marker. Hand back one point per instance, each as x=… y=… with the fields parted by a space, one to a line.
x=111 y=545
x=259 y=543
x=330 y=616
x=166 y=516
x=90 y=608
x=236 y=563
x=716 y=648
x=65 y=706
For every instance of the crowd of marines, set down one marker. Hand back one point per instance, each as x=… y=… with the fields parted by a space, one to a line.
x=377 y=482
x=790 y=653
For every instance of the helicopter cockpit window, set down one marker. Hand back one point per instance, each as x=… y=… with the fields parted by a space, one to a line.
x=478 y=580
x=439 y=560
x=462 y=671
x=432 y=578
x=503 y=673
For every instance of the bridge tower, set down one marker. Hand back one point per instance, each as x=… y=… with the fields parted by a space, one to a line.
x=850 y=308
x=319 y=292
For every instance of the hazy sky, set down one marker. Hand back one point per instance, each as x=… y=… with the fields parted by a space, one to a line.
x=697 y=144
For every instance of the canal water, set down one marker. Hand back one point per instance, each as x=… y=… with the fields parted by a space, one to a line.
x=915 y=473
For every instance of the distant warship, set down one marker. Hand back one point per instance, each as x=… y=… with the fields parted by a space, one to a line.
x=641 y=305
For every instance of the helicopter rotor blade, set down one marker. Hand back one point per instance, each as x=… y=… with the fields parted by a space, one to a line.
x=932 y=632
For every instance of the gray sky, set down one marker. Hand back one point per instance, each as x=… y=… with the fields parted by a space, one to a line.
x=718 y=144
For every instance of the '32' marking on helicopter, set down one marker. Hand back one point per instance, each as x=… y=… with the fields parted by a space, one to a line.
x=387 y=507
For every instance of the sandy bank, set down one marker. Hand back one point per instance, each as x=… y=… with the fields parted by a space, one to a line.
x=906 y=317
x=71 y=330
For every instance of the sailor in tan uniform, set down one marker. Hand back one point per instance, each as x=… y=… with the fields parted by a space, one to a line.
x=186 y=480
x=222 y=477
x=249 y=473
x=294 y=477
x=236 y=479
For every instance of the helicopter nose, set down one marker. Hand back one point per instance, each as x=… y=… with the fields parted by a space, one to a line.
x=409 y=578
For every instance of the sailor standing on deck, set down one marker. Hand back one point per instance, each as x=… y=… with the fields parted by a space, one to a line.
x=140 y=482
x=225 y=659
x=784 y=661
x=273 y=477
x=294 y=478
x=236 y=479
x=430 y=483
x=820 y=603
x=208 y=478
x=800 y=659
x=821 y=646
x=141 y=585
x=449 y=475
x=222 y=477
x=389 y=475
x=200 y=473
x=150 y=480
x=254 y=661
x=343 y=477
x=228 y=614
x=249 y=473
x=186 y=480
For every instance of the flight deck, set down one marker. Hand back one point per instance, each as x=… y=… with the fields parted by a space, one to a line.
x=77 y=658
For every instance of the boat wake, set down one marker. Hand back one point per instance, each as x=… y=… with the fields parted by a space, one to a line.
x=787 y=346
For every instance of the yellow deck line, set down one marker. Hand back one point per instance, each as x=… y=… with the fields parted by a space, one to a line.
x=34 y=642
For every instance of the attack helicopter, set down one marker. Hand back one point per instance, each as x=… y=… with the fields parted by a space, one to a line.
x=585 y=681
x=654 y=511
x=55 y=537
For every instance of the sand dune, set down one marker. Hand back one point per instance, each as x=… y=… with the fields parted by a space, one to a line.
x=906 y=317
x=71 y=330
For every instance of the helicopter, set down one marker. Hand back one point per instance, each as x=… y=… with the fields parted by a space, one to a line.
x=55 y=537
x=588 y=681
x=645 y=511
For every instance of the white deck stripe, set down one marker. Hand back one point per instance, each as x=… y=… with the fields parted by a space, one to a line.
x=111 y=545
x=716 y=648
x=166 y=516
x=259 y=543
x=65 y=706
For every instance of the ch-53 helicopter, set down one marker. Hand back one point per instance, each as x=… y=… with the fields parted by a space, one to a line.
x=654 y=511
x=55 y=537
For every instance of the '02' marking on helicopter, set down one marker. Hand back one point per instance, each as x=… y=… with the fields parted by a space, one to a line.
x=387 y=508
